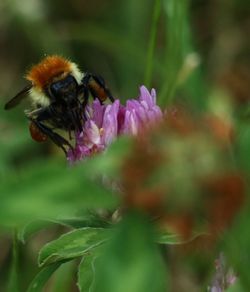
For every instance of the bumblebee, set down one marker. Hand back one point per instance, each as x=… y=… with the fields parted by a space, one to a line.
x=59 y=93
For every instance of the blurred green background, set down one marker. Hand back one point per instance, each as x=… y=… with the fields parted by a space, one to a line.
x=200 y=48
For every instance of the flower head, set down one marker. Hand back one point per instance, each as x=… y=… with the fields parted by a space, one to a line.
x=141 y=112
x=104 y=123
x=224 y=277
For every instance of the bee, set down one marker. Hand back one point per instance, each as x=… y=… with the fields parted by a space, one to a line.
x=59 y=94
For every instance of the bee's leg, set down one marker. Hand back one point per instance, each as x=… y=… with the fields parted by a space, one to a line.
x=97 y=87
x=39 y=116
x=50 y=114
x=85 y=92
x=56 y=138
x=58 y=120
x=84 y=103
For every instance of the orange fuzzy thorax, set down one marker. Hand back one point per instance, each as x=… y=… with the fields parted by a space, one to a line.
x=49 y=68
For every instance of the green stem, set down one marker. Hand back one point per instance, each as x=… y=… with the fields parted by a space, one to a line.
x=177 y=46
x=13 y=278
x=152 y=42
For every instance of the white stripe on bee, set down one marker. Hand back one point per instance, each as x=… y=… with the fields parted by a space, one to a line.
x=38 y=97
x=76 y=73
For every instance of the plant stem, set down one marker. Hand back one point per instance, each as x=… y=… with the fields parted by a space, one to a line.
x=177 y=46
x=152 y=42
x=13 y=277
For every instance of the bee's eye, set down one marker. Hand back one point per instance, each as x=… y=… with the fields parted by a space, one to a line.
x=56 y=87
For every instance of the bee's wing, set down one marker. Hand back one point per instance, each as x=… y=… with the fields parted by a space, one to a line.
x=17 y=98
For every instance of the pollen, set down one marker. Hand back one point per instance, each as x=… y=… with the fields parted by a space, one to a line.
x=101 y=131
x=44 y=72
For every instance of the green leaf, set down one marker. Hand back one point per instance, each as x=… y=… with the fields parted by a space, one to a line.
x=110 y=162
x=72 y=244
x=49 y=190
x=64 y=277
x=236 y=246
x=131 y=261
x=42 y=277
x=87 y=219
x=236 y=287
x=168 y=238
x=33 y=227
x=243 y=146
x=173 y=238
x=86 y=273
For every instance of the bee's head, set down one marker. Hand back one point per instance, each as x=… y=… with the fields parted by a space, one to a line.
x=64 y=90
x=54 y=78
